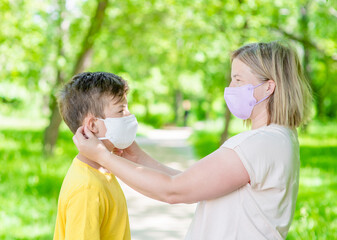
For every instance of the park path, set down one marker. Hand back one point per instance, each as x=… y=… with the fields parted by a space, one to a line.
x=151 y=219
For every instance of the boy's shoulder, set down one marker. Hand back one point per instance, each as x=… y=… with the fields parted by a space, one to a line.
x=81 y=177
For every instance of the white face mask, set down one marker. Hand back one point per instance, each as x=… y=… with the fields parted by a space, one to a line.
x=121 y=132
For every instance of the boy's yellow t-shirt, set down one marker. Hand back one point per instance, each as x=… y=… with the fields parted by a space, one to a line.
x=91 y=206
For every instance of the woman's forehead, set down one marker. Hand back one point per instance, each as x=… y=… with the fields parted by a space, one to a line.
x=240 y=69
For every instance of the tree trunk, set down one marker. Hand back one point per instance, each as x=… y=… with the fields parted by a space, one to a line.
x=305 y=35
x=224 y=135
x=84 y=56
x=147 y=109
x=177 y=105
x=50 y=135
x=83 y=60
x=51 y=132
x=304 y=23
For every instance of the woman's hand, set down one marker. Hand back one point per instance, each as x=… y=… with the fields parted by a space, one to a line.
x=89 y=145
x=117 y=151
x=132 y=153
x=135 y=154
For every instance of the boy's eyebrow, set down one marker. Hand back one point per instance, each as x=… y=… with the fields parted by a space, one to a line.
x=236 y=75
x=123 y=105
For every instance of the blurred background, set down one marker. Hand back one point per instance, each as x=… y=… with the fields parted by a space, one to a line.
x=175 y=56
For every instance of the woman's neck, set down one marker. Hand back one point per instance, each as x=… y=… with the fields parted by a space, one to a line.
x=260 y=120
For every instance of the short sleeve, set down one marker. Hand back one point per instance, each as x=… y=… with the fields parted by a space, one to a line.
x=249 y=165
x=266 y=155
x=83 y=215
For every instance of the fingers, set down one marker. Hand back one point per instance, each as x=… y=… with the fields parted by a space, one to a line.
x=75 y=141
x=88 y=133
x=78 y=137
x=133 y=147
x=117 y=151
x=79 y=132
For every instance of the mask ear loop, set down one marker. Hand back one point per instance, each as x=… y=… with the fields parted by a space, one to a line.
x=102 y=138
x=258 y=85
x=262 y=98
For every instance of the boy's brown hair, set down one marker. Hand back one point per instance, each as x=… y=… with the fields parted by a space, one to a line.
x=89 y=92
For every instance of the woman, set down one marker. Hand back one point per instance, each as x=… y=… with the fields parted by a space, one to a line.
x=247 y=188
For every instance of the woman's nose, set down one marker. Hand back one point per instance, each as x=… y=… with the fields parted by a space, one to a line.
x=127 y=113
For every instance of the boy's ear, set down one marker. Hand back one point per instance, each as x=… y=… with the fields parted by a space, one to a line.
x=90 y=122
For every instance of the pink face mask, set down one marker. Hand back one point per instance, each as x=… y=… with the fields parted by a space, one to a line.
x=241 y=101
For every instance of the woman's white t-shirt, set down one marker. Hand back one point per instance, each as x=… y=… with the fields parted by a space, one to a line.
x=264 y=208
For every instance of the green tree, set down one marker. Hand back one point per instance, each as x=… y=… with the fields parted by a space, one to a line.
x=81 y=63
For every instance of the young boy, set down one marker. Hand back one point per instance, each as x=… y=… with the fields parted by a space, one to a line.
x=91 y=202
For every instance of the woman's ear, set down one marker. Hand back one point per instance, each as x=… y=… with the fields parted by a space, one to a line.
x=91 y=123
x=271 y=86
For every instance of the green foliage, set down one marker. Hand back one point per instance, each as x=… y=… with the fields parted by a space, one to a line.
x=168 y=51
x=205 y=142
x=163 y=47
x=30 y=183
x=157 y=121
x=316 y=211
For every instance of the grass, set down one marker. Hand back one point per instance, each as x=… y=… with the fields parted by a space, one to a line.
x=30 y=183
x=316 y=209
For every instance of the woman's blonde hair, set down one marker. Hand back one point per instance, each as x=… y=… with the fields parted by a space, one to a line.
x=290 y=103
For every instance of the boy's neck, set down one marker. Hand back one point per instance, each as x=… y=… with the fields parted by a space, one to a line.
x=91 y=163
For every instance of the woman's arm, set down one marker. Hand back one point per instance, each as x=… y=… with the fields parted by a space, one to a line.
x=213 y=176
x=136 y=154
